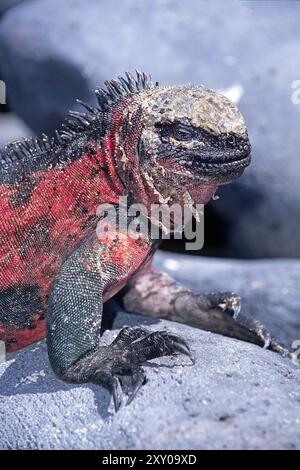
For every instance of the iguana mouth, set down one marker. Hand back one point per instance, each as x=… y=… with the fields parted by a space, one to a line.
x=212 y=161
x=243 y=160
x=220 y=168
x=199 y=169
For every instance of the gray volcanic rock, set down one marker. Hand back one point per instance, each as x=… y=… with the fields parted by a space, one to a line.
x=236 y=396
x=7 y=4
x=269 y=288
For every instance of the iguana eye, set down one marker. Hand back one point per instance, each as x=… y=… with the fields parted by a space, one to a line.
x=182 y=133
x=177 y=131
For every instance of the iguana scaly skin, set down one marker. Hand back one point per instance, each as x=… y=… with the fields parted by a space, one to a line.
x=154 y=145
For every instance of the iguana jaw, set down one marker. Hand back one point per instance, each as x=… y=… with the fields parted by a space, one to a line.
x=221 y=172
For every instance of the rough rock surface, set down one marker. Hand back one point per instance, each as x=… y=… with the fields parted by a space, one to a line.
x=269 y=288
x=236 y=396
x=52 y=52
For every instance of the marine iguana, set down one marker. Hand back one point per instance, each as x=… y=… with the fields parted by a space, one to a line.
x=154 y=145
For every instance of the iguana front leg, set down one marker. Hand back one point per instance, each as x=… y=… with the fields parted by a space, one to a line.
x=92 y=274
x=155 y=293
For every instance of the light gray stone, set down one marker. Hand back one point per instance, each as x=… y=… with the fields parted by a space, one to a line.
x=236 y=396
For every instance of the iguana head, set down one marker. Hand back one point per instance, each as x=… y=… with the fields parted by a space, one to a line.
x=193 y=138
x=176 y=139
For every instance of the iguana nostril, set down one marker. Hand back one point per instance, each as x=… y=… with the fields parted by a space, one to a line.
x=231 y=141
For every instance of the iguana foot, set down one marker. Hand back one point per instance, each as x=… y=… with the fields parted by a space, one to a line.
x=228 y=302
x=225 y=317
x=118 y=366
x=123 y=358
